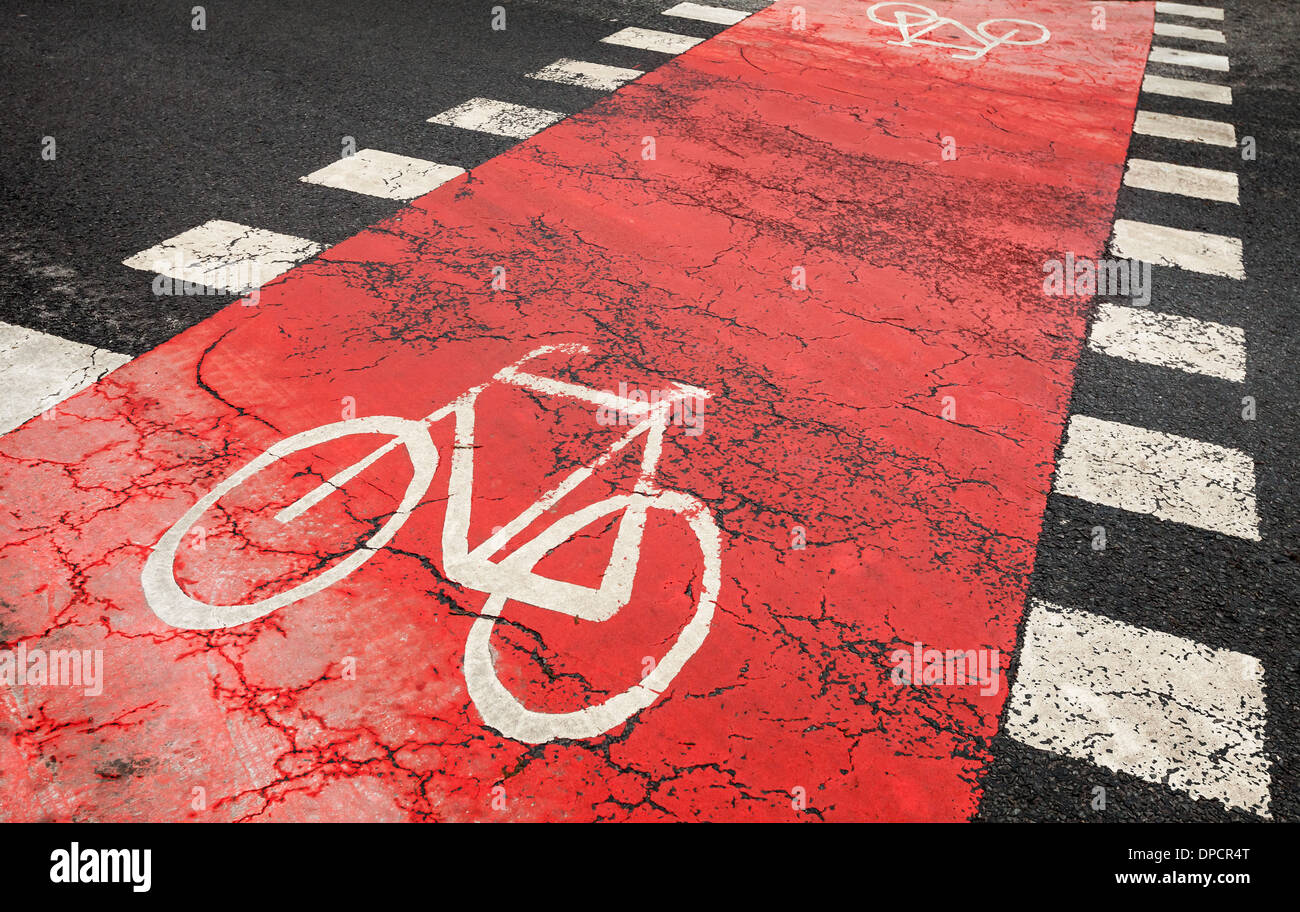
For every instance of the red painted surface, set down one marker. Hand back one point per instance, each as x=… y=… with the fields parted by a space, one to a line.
x=776 y=148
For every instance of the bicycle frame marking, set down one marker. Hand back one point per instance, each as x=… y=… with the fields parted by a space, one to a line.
x=927 y=21
x=509 y=578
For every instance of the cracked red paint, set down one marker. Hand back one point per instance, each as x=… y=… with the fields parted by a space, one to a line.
x=776 y=148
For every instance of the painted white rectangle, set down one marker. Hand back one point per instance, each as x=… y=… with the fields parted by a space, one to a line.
x=500 y=118
x=1187 y=129
x=1143 y=702
x=1167 y=340
x=225 y=256
x=38 y=371
x=1163 y=475
x=1195 y=251
x=383 y=174
x=1169 y=30
x=1187 y=9
x=585 y=74
x=1163 y=177
x=1186 y=88
x=650 y=40
x=1178 y=57
x=716 y=14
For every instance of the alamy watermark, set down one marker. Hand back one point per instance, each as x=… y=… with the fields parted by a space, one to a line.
x=23 y=667
x=1083 y=277
x=947 y=667
x=681 y=407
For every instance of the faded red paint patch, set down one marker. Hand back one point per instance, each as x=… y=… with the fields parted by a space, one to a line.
x=776 y=148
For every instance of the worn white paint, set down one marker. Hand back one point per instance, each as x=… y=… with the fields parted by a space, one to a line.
x=1164 y=177
x=225 y=255
x=585 y=74
x=500 y=118
x=1186 y=88
x=651 y=40
x=1179 y=57
x=1189 y=9
x=1188 y=129
x=38 y=371
x=1167 y=340
x=716 y=14
x=1195 y=251
x=383 y=174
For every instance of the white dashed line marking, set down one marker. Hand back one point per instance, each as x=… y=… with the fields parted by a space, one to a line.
x=1187 y=9
x=1178 y=57
x=1169 y=30
x=383 y=174
x=499 y=118
x=38 y=371
x=1143 y=702
x=1167 y=340
x=1186 y=88
x=1212 y=254
x=650 y=40
x=1203 y=183
x=225 y=256
x=716 y=14
x=1188 y=129
x=1163 y=475
x=587 y=75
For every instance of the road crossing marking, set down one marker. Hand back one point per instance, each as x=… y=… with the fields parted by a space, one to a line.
x=38 y=371
x=1167 y=340
x=651 y=40
x=716 y=14
x=1186 y=88
x=1195 y=251
x=1163 y=475
x=383 y=174
x=1179 y=57
x=1163 y=177
x=586 y=74
x=1188 y=129
x=225 y=256
x=1187 y=9
x=1143 y=702
x=500 y=118
x=1169 y=30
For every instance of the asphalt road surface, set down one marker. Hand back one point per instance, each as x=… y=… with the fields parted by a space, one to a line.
x=798 y=255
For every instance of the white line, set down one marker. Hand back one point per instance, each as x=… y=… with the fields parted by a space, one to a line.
x=1169 y=30
x=587 y=75
x=225 y=256
x=1212 y=254
x=1162 y=475
x=383 y=174
x=1186 y=88
x=38 y=371
x=1178 y=57
x=1143 y=702
x=650 y=40
x=1166 y=340
x=499 y=118
x=1185 y=9
x=1188 y=129
x=1204 y=183
x=716 y=14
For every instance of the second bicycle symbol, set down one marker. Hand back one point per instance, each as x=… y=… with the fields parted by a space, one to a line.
x=501 y=575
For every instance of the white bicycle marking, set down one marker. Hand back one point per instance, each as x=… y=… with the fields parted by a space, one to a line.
x=915 y=21
x=512 y=577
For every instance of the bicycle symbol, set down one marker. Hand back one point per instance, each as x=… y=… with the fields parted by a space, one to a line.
x=914 y=21
x=511 y=577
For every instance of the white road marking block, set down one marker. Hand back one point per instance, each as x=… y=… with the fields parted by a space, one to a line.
x=1187 y=129
x=1169 y=30
x=587 y=75
x=225 y=256
x=1167 y=340
x=1203 y=183
x=1187 y=9
x=716 y=14
x=1216 y=62
x=1162 y=475
x=38 y=371
x=1150 y=704
x=500 y=118
x=1186 y=88
x=650 y=40
x=1195 y=251
x=383 y=174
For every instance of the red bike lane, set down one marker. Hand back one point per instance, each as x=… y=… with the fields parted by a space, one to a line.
x=887 y=385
